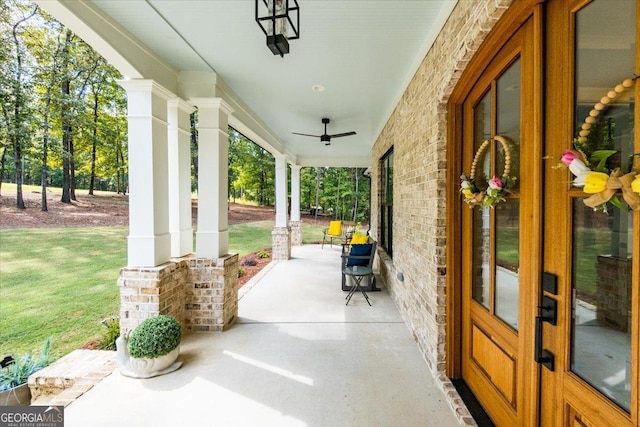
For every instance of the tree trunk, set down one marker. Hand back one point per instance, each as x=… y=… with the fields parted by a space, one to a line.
x=94 y=144
x=18 y=136
x=122 y=170
x=66 y=125
x=45 y=145
x=72 y=168
x=3 y=161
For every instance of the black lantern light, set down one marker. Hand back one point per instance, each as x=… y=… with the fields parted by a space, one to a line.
x=276 y=19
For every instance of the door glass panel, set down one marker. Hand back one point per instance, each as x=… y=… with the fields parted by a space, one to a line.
x=481 y=281
x=507 y=261
x=601 y=338
x=508 y=120
x=603 y=241
x=507 y=214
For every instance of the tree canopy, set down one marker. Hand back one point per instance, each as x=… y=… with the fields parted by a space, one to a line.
x=63 y=124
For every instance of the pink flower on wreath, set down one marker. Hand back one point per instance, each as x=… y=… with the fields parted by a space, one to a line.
x=495 y=183
x=571 y=155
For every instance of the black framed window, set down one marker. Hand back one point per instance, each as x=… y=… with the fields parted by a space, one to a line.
x=386 y=205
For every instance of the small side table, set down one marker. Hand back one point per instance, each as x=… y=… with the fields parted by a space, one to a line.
x=357 y=272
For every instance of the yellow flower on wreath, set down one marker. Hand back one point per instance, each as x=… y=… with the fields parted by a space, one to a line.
x=595 y=182
x=635 y=184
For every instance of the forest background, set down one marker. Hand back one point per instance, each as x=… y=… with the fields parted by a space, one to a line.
x=63 y=123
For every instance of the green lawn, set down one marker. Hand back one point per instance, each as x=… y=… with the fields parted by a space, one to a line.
x=63 y=282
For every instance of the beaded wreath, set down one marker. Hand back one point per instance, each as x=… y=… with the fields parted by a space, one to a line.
x=496 y=187
x=600 y=184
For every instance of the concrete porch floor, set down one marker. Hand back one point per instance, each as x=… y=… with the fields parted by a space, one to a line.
x=297 y=356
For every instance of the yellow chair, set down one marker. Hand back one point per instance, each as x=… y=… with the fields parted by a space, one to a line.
x=333 y=232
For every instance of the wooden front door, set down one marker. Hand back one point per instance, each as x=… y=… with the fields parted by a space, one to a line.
x=591 y=255
x=547 y=294
x=501 y=243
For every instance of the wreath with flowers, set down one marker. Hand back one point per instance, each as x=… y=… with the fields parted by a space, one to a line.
x=591 y=174
x=497 y=187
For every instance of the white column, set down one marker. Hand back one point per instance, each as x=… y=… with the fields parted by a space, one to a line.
x=295 y=192
x=180 y=222
x=149 y=240
x=281 y=191
x=212 y=237
x=295 y=224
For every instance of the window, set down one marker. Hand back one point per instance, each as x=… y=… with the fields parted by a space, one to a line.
x=386 y=205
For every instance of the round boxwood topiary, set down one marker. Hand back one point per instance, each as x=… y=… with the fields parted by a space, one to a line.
x=155 y=337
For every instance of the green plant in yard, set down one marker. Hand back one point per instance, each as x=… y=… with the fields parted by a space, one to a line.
x=155 y=337
x=241 y=272
x=108 y=338
x=263 y=254
x=17 y=373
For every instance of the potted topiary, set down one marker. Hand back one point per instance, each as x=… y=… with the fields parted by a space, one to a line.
x=15 y=373
x=151 y=349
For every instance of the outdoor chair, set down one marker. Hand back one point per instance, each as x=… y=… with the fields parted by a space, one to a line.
x=360 y=252
x=339 y=230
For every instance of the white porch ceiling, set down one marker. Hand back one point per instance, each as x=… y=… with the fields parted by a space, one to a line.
x=364 y=52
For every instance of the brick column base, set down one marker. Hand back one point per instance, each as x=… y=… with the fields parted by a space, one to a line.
x=211 y=302
x=296 y=232
x=281 y=243
x=149 y=291
x=200 y=293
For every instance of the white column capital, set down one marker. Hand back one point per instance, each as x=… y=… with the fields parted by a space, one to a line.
x=181 y=105
x=146 y=85
x=217 y=103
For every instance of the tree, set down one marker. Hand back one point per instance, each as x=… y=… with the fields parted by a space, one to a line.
x=70 y=118
x=46 y=46
x=251 y=170
x=15 y=100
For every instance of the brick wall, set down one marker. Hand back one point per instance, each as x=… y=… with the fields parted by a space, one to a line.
x=613 y=292
x=417 y=131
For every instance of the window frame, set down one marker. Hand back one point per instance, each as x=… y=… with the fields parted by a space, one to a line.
x=386 y=202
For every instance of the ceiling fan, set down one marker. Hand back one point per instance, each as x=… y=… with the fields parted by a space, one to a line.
x=326 y=138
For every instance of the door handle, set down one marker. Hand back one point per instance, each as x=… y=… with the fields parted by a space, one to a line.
x=549 y=314
x=542 y=356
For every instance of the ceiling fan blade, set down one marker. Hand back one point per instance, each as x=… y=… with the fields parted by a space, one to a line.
x=338 y=135
x=306 y=134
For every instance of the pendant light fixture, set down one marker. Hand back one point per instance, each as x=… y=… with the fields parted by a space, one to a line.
x=280 y=22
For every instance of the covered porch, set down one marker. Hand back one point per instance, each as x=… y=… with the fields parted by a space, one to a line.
x=297 y=356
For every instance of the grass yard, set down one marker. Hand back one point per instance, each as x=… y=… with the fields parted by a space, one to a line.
x=62 y=282
x=57 y=282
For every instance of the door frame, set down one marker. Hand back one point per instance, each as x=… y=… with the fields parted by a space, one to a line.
x=517 y=14
x=566 y=390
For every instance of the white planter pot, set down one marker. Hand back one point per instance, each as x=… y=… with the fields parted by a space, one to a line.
x=145 y=368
